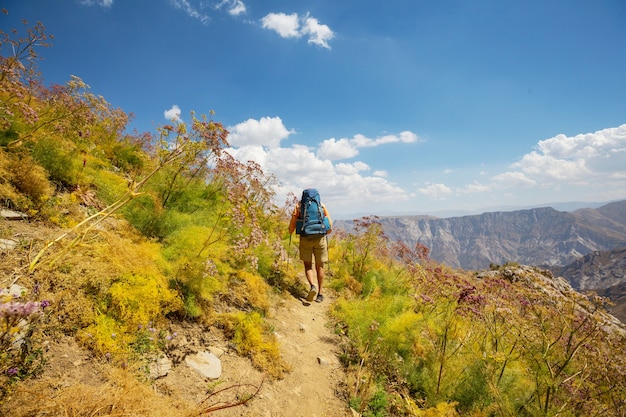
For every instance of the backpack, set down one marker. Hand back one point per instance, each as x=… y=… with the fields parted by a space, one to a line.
x=312 y=220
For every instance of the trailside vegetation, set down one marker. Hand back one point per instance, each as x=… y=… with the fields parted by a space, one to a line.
x=423 y=339
x=143 y=230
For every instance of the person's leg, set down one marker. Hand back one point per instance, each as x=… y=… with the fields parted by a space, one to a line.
x=306 y=256
x=319 y=270
x=321 y=257
x=308 y=271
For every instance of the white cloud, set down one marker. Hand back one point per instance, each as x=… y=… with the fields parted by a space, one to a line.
x=586 y=166
x=289 y=26
x=345 y=148
x=345 y=187
x=351 y=169
x=173 y=114
x=579 y=159
x=191 y=10
x=475 y=187
x=513 y=179
x=336 y=149
x=269 y=132
x=234 y=7
x=318 y=34
x=381 y=173
x=435 y=190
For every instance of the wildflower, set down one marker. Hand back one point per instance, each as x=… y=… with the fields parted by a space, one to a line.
x=12 y=371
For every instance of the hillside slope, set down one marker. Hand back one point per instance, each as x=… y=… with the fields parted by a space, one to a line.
x=74 y=381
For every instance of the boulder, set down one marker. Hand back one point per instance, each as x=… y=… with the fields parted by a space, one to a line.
x=206 y=364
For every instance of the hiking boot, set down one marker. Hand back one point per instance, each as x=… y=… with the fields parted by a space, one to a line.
x=319 y=298
x=311 y=294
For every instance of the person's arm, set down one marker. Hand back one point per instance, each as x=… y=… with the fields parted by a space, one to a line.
x=294 y=218
x=330 y=221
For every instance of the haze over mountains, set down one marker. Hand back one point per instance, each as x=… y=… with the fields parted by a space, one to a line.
x=540 y=237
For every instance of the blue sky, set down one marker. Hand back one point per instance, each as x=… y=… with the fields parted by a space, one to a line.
x=394 y=107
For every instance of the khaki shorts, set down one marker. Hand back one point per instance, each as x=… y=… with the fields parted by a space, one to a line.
x=314 y=246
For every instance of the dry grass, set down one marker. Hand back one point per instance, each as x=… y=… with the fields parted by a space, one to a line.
x=119 y=394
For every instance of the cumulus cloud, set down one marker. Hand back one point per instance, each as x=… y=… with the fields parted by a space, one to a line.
x=191 y=11
x=173 y=114
x=435 y=190
x=577 y=159
x=286 y=25
x=318 y=34
x=344 y=148
x=344 y=186
x=475 y=187
x=589 y=166
x=268 y=131
x=513 y=179
x=292 y=26
x=351 y=169
x=233 y=7
x=334 y=149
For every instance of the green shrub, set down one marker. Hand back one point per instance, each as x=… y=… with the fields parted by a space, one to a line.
x=61 y=164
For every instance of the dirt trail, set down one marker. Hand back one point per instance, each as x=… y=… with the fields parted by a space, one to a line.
x=310 y=348
x=312 y=387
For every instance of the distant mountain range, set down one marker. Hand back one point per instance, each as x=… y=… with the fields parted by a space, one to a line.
x=539 y=236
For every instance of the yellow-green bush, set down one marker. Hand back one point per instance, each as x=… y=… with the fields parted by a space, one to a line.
x=249 y=290
x=138 y=299
x=252 y=337
x=28 y=178
x=109 y=186
x=107 y=336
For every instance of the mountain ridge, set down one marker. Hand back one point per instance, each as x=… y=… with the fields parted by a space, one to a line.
x=540 y=236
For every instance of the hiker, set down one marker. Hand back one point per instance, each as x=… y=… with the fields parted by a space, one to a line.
x=310 y=220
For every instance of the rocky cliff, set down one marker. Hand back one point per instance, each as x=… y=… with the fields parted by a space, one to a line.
x=595 y=270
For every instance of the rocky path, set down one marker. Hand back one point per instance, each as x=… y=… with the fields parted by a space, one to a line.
x=309 y=347
x=312 y=388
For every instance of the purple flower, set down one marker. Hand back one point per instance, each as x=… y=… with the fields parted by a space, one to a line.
x=45 y=303
x=12 y=371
